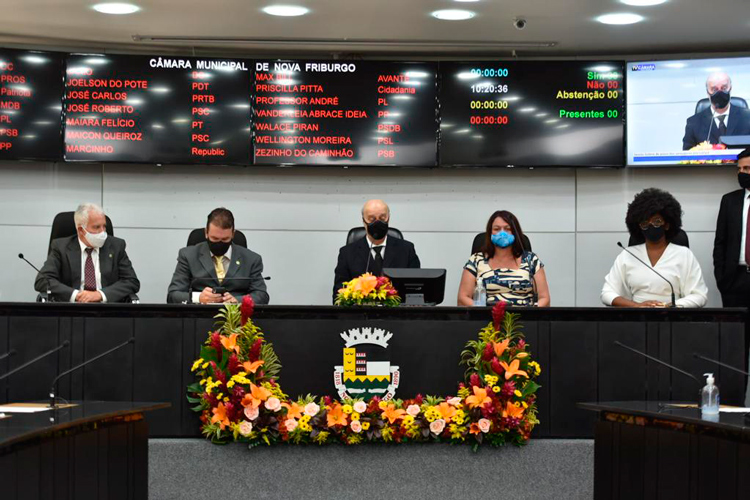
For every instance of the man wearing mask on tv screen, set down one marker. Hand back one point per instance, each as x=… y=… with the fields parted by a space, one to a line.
x=720 y=118
x=377 y=250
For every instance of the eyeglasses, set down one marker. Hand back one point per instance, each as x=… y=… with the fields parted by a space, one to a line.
x=656 y=223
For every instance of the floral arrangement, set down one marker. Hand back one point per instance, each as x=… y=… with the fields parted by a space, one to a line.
x=240 y=400
x=368 y=290
x=707 y=146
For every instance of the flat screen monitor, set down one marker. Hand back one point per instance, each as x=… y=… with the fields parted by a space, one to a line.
x=418 y=287
x=532 y=113
x=675 y=112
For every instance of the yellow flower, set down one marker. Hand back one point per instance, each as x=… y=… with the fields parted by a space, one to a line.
x=383 y=405
x=407 y=420
x=196 y=364
x=496 y=389
x=220 y=395
x=230 y=384
x=525 y=405
x=365 y=426
x=355 y=416
x=226 y=400
x=202 y=382
x=517 y=393
x=347 y=409
x=205 y=365
x=459 y=420
x=387 y=434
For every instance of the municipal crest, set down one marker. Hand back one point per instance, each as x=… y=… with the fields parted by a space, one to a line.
x=366 y=371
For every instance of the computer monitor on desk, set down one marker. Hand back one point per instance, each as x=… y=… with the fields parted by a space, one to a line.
x=418 y=287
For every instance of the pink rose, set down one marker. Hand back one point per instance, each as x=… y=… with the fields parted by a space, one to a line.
x=454 y=401
x=413 y=410
x=291 y=424
x=356 y=426
x=251 y=413
x=246 y=428
x=311 y=409
x=484 y=425
x=360 y=406
x=437 y=426
x=273 y=404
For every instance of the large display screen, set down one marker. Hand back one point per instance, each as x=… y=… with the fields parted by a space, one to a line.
x=528 y=113
x=31 y=86
x=157 y=109
x=345 y=113
x=678 y=111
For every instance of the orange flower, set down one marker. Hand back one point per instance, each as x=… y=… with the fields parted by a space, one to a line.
x=392 y=414
x=257 y=395
x=230 y=343
x=479 y=398
x=336 y=415
x=293 y=410
x=474 y=428
x=366 y=283
x=500 y=347
x=252 y=367
x=447 y=411
x=512 y=410
x=513 y=369
x=220 y=415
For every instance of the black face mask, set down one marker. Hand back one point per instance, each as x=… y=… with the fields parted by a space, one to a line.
x=720 y=99
x=377 y=229
x=744 y=180
x=653 y=234
x=219 y=247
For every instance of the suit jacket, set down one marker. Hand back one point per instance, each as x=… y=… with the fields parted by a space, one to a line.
x=195 y=265
x=728 y=239
x=697 y=127
x=63 y=270
x=353 y=259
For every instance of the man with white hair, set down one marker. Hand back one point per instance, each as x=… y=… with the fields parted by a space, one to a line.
x=88 y=266
x=720 y=118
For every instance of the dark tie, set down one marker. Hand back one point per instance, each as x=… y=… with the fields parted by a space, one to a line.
x=377 y=268
x=747 y=237
x=722 y=125
x=89 y=274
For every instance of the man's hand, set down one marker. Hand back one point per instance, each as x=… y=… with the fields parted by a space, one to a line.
x=207 y=296
x=652 y=303
x=228 y=298
x=85 y=296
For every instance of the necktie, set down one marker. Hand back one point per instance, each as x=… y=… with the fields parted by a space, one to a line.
x=219 y=266
x=747 y=238
x=722 y=125
x=89 y=274
x=377 y=268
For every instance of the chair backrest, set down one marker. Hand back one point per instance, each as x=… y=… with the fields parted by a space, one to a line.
x=680 y=238
x=476 y=245
x=64 y=225
x=735 y=101
x=357 y=233
x=199 y=236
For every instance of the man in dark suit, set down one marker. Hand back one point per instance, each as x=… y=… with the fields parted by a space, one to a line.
x=88 y=266
x=732 y=242
x=720 y=118
x=375 y=251
x=217 y=263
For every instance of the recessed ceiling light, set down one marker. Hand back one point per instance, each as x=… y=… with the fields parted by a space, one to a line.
x=116 y=8
x=466 y=1
x=285 y=10
x=642 y=3
x=620 y=18
x=453 y=14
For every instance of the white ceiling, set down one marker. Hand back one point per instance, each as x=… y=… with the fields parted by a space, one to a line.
x=678 y=26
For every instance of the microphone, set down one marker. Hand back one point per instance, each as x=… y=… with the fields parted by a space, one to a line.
x=48 y=295
x=28 y=363
x=66 y=372
x=617 y=343
x=8 y=354
x=674 y=304
x=698 y=356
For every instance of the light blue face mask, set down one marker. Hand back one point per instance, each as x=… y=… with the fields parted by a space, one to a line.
x=503 y=239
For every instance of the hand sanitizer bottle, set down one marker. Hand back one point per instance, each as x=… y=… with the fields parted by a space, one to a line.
x=710 y=396
x=480 y=293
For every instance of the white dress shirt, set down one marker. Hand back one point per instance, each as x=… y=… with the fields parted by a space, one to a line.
x=743 y=241
x=725 y=114
x=631 y=280
x=95 y=258
x=226 y=259
x=382 y=250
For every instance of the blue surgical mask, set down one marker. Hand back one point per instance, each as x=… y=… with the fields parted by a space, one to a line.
x=503 y=239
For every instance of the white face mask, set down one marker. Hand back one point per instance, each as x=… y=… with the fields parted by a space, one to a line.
x=96 y=240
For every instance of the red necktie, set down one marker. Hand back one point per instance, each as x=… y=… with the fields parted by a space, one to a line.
x=89 y=274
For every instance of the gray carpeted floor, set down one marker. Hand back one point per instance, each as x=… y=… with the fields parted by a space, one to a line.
x=195 y=469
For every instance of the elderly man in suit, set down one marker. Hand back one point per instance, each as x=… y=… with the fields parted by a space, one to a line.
x=88 y=266
x=375 y=251
x=217 y=263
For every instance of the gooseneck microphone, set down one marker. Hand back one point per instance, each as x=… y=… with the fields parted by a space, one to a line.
x=674 y=304
x=88 y=361
x=49 y=292
x=730 y=367
x=29 y=363
x=617 y=343
x=8 y=354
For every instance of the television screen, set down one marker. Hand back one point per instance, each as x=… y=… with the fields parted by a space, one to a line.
x=31 y=87
x=679 y=111
x=529 y=113
x=157 y=109
x=345 y=113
